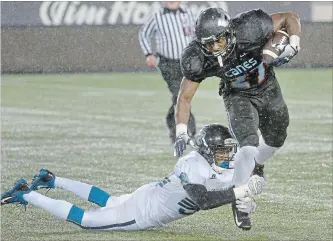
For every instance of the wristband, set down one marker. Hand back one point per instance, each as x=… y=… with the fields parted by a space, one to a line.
x=181 y=129
x=294 y=40
x=241 y=191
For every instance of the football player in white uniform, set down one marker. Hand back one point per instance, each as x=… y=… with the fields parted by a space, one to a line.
x=200 y=180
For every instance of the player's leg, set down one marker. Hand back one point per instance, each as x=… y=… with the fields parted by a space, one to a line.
x=120 y=217
x=21 y=193
x=166 y=71
x=243 y=124
x=117 y=218
x=273 y=123
x=171 y=124
x=46 y=179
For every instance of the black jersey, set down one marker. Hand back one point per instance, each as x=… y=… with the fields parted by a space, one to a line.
x=243 y=69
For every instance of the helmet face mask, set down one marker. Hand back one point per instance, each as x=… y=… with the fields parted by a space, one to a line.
x=223 y=155
x=220 y=42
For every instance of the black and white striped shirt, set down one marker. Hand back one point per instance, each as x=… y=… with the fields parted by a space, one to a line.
x=173 y=31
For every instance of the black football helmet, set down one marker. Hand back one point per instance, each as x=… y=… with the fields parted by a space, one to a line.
x=212 y=138
x=213 y=24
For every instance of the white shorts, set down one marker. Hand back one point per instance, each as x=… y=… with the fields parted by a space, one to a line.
x=119 y=214
x=126 y=212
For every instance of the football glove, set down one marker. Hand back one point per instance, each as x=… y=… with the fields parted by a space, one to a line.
x=246 y=205
x=254 y=185
x=288 y=51
x=180 y=144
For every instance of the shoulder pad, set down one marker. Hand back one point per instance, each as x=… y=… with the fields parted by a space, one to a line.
x=192 y=62
x=249 y=14
x=252 y=29
x=191 y=169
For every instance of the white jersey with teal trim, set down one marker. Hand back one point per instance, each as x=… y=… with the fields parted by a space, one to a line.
x=160 y=203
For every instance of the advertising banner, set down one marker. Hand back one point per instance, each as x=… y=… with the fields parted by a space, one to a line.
x=75 y=13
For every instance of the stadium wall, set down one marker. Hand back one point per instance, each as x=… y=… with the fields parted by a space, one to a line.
x=90 y=49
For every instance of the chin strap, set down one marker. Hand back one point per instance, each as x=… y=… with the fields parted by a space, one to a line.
x=219 y=58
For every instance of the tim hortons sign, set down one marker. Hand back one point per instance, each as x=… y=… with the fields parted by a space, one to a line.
x=107 y=13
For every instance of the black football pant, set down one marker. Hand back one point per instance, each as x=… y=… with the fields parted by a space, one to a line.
x=263 y=108
x=173 y=76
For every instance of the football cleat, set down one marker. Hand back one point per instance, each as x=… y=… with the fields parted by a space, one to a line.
x=15 y=194
x=43 y=179
x=242 y=220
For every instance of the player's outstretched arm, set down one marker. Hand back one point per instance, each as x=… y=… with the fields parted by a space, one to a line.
x=211 y=199
x=185 y=95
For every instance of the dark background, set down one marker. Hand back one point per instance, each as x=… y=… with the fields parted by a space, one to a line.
x=32 y=47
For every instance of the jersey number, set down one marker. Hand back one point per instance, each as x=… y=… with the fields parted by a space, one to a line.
x=163 y=182
x=244 y=81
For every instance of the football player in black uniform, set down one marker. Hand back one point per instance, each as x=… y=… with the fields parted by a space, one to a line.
x=232 y=50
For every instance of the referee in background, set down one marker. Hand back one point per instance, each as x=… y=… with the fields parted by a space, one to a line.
x=173 y=28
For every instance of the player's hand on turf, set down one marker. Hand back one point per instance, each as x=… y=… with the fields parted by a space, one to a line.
x=180 y=144
x=246 y=205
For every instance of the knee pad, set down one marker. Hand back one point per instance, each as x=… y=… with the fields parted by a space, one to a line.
x=276 y=139
x=250 y=140
x=276 y=134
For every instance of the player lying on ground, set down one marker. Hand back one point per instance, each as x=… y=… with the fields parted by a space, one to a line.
x=200 y=180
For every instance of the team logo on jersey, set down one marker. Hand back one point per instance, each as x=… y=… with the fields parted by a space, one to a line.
x=183 y=178
x=242 y=68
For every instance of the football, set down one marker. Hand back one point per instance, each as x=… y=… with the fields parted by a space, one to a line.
x=272 y=48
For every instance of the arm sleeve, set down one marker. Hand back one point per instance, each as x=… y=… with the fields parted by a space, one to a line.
x=194 y=178
x=209 y=199
x=146 y=33
x=192 y=64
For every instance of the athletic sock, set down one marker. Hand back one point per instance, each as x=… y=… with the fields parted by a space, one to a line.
x=244 y=164
x=59 y=208
x=264 y=151
x=83 y=190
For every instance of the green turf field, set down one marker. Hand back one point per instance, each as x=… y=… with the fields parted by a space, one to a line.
x=108 y=130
